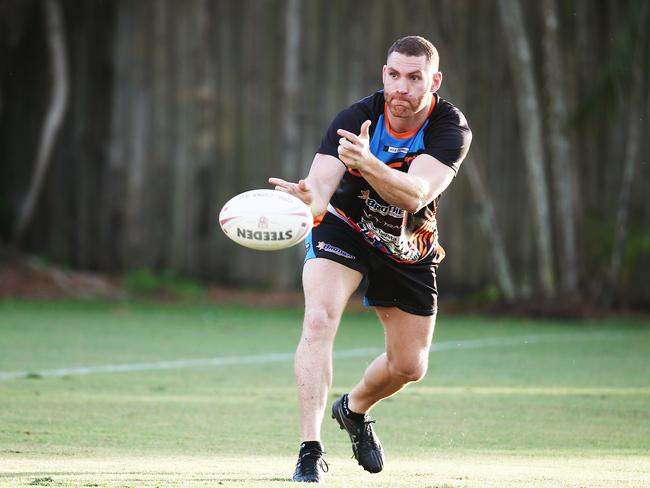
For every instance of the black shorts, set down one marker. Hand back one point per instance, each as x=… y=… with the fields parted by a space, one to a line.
x=410 y=287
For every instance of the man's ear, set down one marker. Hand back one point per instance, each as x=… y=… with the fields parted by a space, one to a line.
x=383 y=73
x=436 y=82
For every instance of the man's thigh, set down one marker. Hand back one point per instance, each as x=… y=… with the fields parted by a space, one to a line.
x=408 y=336
x=328 y=286
x=334 y=265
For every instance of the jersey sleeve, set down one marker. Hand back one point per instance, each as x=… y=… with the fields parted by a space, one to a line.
x=349 y=119
x=450 y=141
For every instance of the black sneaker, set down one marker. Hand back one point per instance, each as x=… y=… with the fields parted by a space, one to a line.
x=365 y=444
x=310 y=466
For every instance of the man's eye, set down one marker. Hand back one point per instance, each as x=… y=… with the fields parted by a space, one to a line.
x=415 y=78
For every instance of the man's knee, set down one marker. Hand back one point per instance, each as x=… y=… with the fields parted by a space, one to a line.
x=409 y=370
x=320 y=324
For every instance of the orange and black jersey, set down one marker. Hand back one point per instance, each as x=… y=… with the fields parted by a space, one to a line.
x=402 y=236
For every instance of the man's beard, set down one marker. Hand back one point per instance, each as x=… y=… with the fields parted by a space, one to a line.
x=402 y=109
x=407 y=108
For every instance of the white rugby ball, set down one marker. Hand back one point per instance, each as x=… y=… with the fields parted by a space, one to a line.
x=267 y=220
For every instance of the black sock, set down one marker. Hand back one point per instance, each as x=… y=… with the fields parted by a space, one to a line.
x=359 y=417
x=311 y=446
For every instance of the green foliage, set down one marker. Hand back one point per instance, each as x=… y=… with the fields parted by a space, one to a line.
x=616 y=77
x=490 y=293
x=143 y=281
x=600 y=241
x=39 y=261
x=637 y=246
x=601 y=244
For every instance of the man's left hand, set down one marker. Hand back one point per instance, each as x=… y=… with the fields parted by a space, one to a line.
x=354 y=150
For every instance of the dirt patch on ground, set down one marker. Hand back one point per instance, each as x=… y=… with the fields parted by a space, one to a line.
x=32 y=280
x=26 y=280
x=35 y=281
x=25 y=277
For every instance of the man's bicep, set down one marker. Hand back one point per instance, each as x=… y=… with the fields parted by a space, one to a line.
x=435 y=175
x=349 y=119
x=450 y=141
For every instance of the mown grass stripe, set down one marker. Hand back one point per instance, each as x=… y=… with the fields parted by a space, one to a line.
x=222 y=361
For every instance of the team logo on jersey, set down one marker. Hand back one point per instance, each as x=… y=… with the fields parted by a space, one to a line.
x=322 y=246
x=377 y=207
x=396 y=150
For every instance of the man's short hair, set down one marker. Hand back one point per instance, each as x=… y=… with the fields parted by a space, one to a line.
x=416 y=46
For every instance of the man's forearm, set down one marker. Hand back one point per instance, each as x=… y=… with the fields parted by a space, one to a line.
x=324 y=176
x=320 y=197
x=396 y=188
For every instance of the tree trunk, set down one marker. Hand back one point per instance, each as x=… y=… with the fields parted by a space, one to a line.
x=632 y=150
x=55 y=114
x=284 y=276
x=291 y=91
x=530 y=125
x=139 y=137
x=562 y=168
x=490 y=227
x=184 y=258
x=488 y=221
x=163 y=126
x=228 y=80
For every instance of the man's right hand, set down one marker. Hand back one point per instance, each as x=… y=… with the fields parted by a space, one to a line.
x=302 y=189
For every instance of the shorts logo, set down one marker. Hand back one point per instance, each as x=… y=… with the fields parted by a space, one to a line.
x=334 y=250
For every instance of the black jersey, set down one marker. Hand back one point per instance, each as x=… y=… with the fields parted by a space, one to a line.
x=402 y=236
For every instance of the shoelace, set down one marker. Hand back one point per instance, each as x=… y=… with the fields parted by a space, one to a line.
x=320 y=463
x=367 y=437
x=323 y=465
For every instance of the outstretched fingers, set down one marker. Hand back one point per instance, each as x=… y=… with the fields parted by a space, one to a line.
x=350 y=136
x=364 y=133
x=278 y=181
x=283 y=185
x=301 y=190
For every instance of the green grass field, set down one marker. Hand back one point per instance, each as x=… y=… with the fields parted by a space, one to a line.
x=506 y=403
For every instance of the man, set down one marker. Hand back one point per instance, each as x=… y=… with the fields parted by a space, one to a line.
x=376 y=179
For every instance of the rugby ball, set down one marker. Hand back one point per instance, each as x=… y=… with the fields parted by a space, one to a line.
x=266 y=220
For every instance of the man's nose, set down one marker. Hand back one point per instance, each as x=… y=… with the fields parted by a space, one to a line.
x=401 y=86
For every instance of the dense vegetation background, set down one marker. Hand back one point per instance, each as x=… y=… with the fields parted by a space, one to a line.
x=125 y=125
